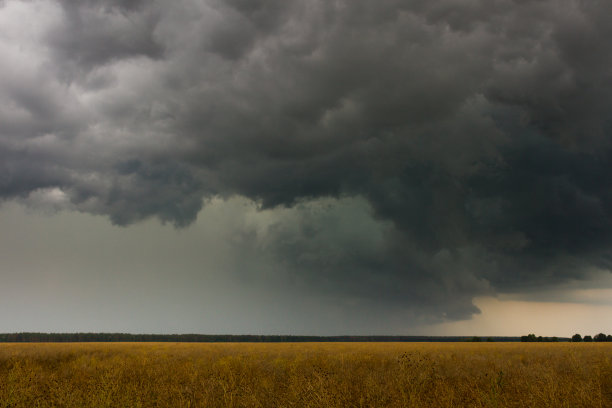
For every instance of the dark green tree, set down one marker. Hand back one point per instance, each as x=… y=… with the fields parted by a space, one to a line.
x=600 y=337
x=576 y=338
x=588 y=339
x=530 y=338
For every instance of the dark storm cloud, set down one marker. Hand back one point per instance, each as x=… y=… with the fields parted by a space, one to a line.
x=474 y=134
x=96 y=32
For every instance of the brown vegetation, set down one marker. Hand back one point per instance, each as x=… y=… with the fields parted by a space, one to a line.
x=306 y=375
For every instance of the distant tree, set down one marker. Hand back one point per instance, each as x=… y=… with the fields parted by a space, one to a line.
x=576 y=338
x=530 y=338
x=588 y=339
x=490 y=339
x=555 y=339
x=540 y=339
x=609 y=337
x=600 y=337
x=476 y=339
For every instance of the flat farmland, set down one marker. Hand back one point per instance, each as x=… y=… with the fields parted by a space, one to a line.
x=306 y=375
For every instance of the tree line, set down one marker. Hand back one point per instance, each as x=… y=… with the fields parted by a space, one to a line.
x=598 y=338
x=531 y=338
x=32 y=337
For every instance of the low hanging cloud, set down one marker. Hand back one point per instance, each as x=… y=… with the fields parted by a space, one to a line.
x=459 y=148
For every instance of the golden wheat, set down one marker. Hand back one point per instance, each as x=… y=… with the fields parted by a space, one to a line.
x=306 y=375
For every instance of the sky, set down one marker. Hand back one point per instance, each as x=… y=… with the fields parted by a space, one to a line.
x=306 y=167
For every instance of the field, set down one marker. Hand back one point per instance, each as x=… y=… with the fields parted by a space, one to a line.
x=306 y=375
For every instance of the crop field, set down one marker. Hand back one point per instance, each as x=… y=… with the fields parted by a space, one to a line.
x=306 y=375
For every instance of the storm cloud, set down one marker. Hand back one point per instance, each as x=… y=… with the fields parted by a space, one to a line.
x=409 y=154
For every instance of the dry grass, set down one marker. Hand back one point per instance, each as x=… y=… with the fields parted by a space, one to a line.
x=306 y=375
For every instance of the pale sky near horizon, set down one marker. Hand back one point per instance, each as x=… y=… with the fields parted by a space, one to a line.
x=306 y=167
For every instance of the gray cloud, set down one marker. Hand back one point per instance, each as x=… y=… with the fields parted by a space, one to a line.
x=473 y=136
x=96 y=33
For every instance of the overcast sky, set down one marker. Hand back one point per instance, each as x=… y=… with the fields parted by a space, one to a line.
x=306 y=167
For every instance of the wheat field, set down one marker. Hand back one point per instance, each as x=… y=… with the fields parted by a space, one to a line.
x=306 y=375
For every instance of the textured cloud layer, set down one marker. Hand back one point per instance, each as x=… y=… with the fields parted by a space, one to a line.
x=459 y=147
